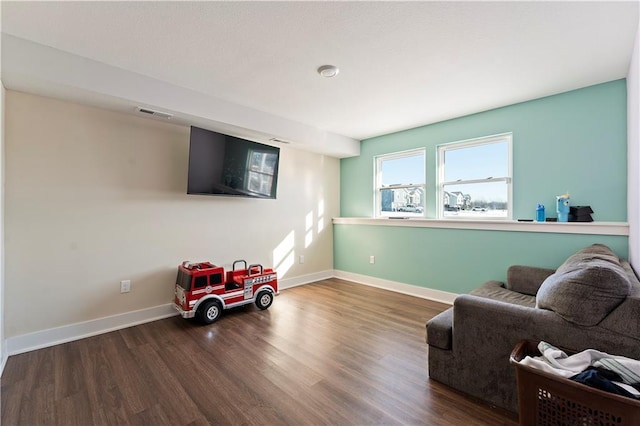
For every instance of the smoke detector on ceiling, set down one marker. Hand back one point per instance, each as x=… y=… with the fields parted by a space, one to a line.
x=328 y=71
x=158 y=114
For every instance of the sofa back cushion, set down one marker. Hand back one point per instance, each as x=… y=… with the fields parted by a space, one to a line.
x=586 y=287
x=624 y=319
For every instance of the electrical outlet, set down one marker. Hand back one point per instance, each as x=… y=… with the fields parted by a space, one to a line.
x=301 y=259
x=372 y=259
x=125 y=286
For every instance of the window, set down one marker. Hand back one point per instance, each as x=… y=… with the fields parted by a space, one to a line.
x=183 y=280
x=474 y=178
x=200 y=282
x=400 y=184
x=215 y=279
x=261 y=171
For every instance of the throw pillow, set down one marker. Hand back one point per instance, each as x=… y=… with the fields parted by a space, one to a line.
x=586 y=287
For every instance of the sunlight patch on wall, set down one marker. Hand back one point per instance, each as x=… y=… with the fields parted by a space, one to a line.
x=308 y=228
x=284 y=254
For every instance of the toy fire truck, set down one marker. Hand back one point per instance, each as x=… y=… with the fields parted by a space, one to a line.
x=203 y=290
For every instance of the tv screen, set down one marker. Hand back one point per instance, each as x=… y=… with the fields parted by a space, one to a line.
x=225 y=165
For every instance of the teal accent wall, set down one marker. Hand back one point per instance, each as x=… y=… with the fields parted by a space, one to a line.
x=453 y=260
x=574 y=141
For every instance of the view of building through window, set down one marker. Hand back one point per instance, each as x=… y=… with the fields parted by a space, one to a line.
x=400 y=184
x=474 y=180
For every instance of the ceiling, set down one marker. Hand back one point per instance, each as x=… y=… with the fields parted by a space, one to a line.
x=252 y=65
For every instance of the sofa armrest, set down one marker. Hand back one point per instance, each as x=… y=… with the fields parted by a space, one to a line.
x=439 y=330
x=526 y=279
x=480 y=320
x=486 y=326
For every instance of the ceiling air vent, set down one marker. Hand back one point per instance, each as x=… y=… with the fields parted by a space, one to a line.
x=158 y=114
x=277 y=140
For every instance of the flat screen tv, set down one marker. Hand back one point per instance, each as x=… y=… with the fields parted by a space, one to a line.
x=220 y=164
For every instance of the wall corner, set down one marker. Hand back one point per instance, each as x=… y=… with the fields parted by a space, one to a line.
x=633 y=150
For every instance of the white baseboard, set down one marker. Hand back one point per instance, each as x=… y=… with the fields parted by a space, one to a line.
x=304 y=279
x=67 y=333
x=398 y=287
x=3 y=359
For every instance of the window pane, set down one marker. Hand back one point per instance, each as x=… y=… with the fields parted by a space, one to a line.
x=263 y=162
x=403 y=171
x=476 y=200
x=200 y=282
x=402 y=201
x=183 y=280
x=477 y=162
x=260 y=183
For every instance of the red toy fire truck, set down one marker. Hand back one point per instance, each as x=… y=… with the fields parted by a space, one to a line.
x=203 y=290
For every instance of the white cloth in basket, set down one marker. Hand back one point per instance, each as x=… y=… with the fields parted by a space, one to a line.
x=557 y=362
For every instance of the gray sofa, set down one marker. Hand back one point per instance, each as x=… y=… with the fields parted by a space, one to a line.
x=591 y=301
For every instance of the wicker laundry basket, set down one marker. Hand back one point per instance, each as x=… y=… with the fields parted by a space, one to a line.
x=547 y=399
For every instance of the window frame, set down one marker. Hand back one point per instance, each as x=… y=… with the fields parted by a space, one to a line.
x=467 y=143
x=377 y=179
x=259 y=172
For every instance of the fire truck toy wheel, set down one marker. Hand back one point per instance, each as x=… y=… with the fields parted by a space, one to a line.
x=210 y=311
x=264 y=299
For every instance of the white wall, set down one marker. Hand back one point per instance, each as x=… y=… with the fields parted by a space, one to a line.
x=3 y=351
x=94 y=197
x=633 y=135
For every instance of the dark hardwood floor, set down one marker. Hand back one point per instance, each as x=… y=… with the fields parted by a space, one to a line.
x=332 y=352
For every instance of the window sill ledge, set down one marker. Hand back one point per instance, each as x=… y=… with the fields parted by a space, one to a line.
x=591 y=228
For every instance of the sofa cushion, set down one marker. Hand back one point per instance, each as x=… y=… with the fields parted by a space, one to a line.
x=586 y=287
x=526 y=279
x=624 y=319
x=494 y=290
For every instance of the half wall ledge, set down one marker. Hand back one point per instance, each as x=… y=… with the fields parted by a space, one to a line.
x=588 y=228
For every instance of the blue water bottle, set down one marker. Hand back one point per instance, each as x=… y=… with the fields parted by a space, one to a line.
x=540 y=215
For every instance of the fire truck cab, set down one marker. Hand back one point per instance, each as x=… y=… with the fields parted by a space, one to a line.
x=203 y=290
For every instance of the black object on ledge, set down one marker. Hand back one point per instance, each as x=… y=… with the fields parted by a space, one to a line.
x=580 y=214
